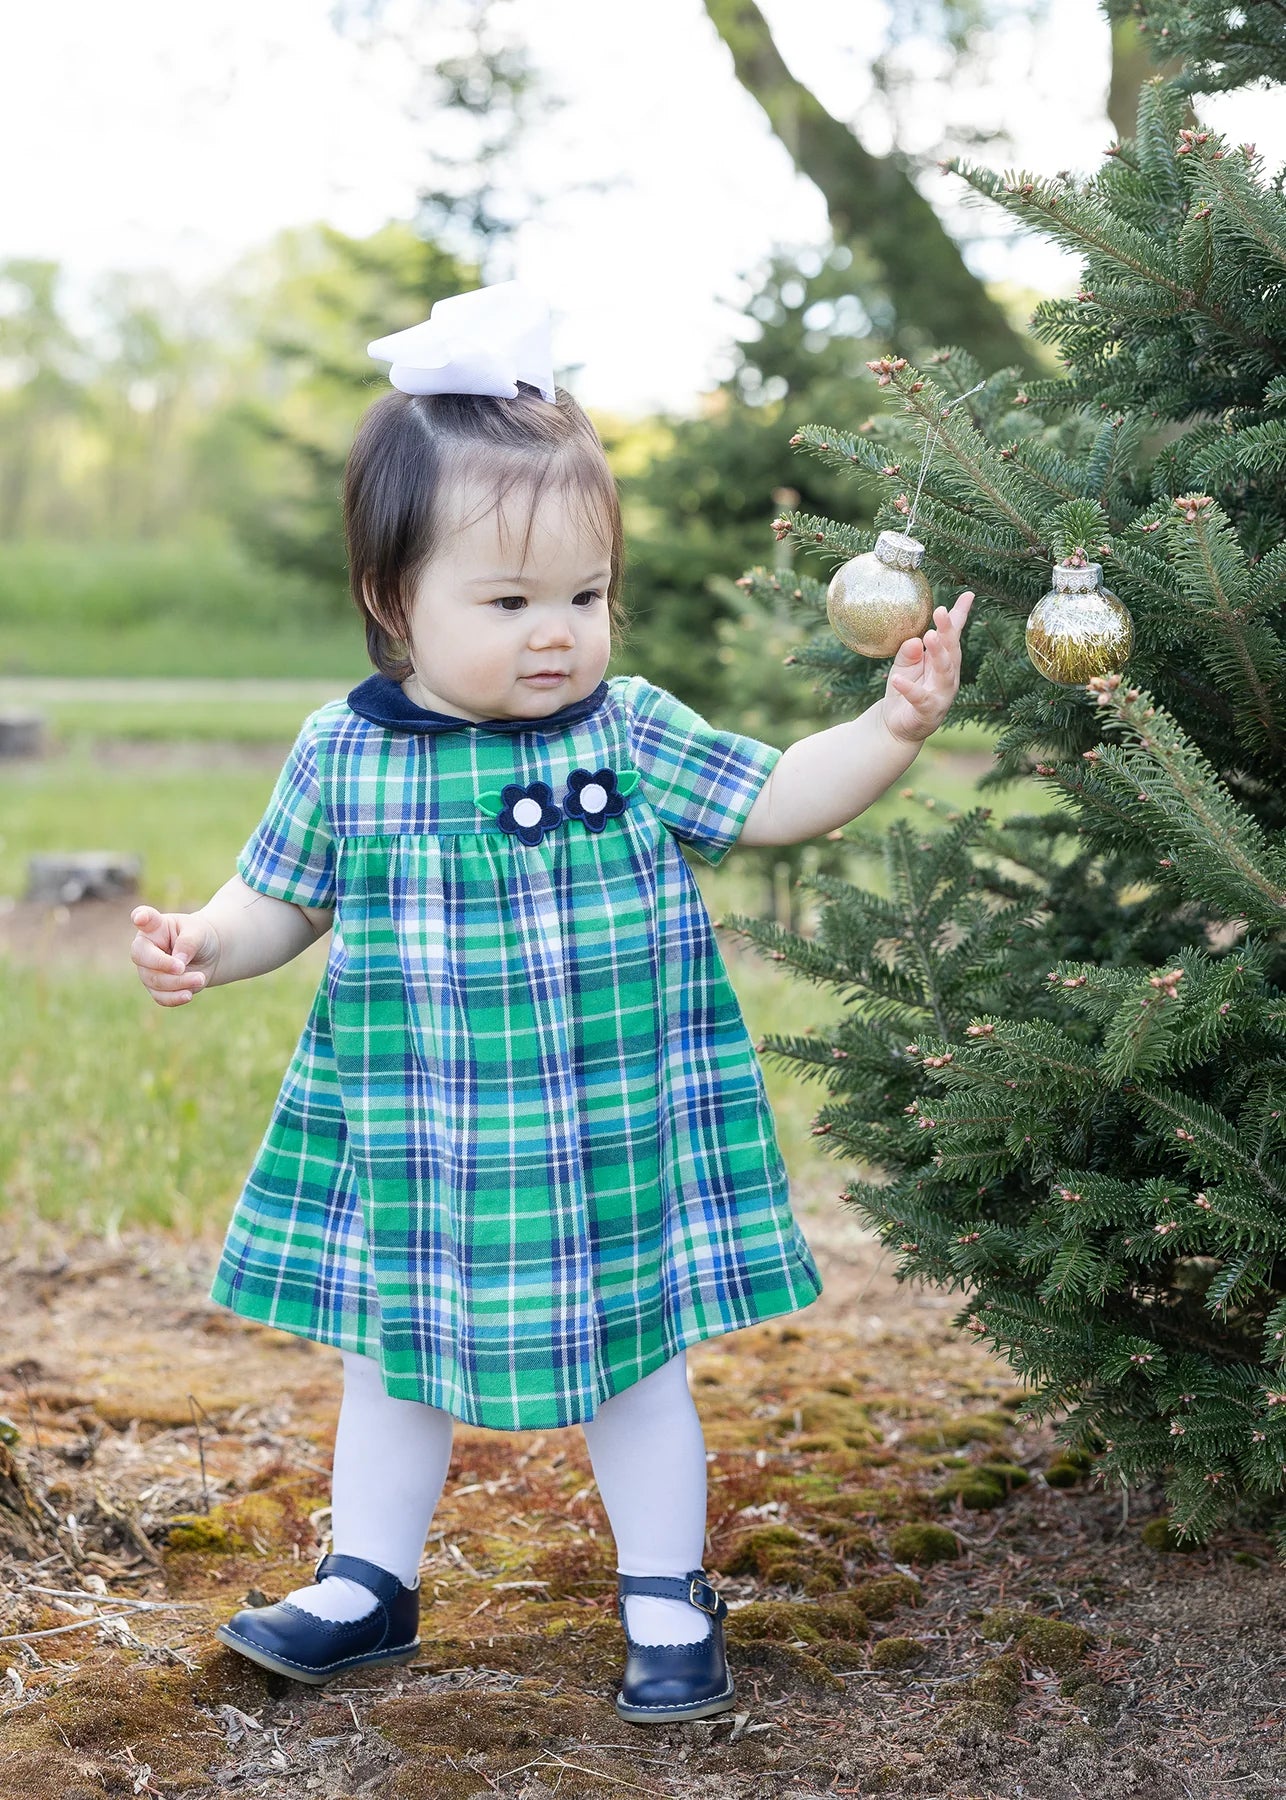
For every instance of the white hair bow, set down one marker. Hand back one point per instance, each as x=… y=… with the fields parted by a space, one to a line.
x=482 y=342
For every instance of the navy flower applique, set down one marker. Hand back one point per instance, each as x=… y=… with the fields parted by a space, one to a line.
x=598 y=795
x=525 y=812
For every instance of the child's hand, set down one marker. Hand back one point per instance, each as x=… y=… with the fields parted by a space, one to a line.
x=176 y=953
x=925 y=675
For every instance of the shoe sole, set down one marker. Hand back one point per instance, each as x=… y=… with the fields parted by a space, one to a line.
x=648 y=1715
x=313 y=1677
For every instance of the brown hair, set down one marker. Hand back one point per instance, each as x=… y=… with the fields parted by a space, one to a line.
x=411 y=450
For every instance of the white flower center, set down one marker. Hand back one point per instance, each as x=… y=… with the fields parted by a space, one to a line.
x=527 y=812
x=593 y=797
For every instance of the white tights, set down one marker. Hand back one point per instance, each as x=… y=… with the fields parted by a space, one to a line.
x=645 y=1447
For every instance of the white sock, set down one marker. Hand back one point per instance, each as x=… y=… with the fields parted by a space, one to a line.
x=391 y=1460
x=649 y=1460
x=334 y=1598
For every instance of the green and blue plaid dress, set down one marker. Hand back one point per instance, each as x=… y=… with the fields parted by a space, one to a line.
x=523 y=1153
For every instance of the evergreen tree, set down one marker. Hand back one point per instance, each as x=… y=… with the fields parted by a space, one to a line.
x=1063 y=1060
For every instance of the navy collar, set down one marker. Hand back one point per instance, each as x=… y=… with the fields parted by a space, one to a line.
x=382 y=701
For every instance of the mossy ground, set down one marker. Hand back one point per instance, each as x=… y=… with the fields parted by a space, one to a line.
x=887 y=1636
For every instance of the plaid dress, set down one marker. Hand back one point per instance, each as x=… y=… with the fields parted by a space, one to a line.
x=523 y=1153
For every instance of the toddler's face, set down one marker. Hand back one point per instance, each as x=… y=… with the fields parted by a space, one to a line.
x=483 y=622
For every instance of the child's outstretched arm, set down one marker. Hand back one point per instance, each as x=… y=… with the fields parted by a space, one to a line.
x=826 y=780
x=236 y=934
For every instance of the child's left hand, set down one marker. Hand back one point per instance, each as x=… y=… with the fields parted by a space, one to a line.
x=925 y=675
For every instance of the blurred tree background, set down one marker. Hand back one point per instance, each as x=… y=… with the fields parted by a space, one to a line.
x=170 y=469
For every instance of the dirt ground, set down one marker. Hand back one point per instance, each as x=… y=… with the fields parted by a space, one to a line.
x=165 y=1464
x=860 y=1668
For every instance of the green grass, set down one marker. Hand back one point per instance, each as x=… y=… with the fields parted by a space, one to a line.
x=187 y=827
x=119 y=1111
x=115 y=1110
x=194 y=607
x=273 y=719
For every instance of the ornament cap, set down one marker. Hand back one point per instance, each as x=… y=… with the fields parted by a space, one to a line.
x=1071 y=580
x=898 y=550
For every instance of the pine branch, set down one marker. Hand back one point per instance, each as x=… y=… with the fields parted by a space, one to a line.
x=1080 y=223
x=1255 y=214
x=958 y=439
x=1211 y=1144
x=1233 y=862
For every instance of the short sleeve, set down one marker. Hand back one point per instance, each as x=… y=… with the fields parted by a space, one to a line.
x=291 y=854
x=701 y=782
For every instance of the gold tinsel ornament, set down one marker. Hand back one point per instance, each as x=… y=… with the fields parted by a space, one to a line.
x=1079 y=629
x=876 y=601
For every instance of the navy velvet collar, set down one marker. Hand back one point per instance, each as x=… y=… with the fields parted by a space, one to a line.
x=382 y=701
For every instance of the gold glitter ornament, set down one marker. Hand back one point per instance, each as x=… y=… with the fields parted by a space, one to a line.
x=1079 y=629
x=876 y=601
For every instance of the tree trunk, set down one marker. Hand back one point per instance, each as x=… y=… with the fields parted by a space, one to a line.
x=874 y=206
x=1132 y=65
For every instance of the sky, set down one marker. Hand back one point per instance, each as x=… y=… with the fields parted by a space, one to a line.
x=145 y=135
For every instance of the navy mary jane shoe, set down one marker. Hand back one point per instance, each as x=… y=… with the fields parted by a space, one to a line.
x=295 y=1643
x=674 y=1681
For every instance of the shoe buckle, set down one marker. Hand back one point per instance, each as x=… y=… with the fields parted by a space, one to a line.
x=317 y=1567
x=695 y=1583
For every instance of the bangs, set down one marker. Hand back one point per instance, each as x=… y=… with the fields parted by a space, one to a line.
x=576 y=475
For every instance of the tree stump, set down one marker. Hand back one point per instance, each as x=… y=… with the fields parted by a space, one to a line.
x=82 y=875
x=24 y=1529
x=22 y=734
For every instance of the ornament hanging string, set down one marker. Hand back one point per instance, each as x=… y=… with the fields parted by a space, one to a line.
x=929 y=435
